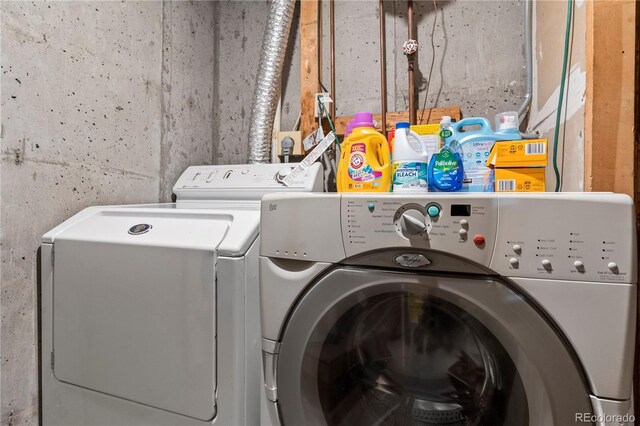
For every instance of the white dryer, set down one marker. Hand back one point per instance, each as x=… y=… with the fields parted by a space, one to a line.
x=448 y=309
x=150 y=312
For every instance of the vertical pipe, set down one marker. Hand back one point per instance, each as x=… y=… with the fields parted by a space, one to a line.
x=320 y=61
x=411 y=59
x=332 y=48
x=528 y=57
x=383 y=69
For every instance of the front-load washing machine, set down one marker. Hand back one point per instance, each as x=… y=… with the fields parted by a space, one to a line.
x=448 y=309
x=150 y=312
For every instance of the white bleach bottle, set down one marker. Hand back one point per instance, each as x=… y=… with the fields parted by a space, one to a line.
x=410 y=161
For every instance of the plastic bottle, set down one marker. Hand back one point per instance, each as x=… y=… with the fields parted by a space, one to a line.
x=364 y=160
x=507 y=124
x=410 y=161
x=446 y=171
x=476 y=145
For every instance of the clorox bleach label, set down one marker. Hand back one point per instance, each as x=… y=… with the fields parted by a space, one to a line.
x=410 y=176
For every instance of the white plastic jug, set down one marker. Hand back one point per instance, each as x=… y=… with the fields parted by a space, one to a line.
x=410 y=160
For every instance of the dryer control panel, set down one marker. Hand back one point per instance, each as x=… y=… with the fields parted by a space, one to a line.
x=243 y=181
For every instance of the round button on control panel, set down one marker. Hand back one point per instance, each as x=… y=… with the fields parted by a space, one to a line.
x=433 y=210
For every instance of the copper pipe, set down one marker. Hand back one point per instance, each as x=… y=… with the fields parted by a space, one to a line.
x=320 y=62
x=411 y=62
x=383 y=70
x=332 y=48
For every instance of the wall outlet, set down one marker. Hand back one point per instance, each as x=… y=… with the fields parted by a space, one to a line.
x=316 y=113
x=297 y=139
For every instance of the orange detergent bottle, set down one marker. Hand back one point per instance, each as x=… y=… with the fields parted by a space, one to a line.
x=364 y=160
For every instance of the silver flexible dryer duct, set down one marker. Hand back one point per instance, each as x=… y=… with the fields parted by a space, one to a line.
x=267 y=91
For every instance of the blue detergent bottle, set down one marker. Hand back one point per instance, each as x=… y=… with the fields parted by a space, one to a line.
x=475 y=146
x=446 y=170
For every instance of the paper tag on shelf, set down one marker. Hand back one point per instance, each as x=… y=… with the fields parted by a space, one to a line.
x=309 y=159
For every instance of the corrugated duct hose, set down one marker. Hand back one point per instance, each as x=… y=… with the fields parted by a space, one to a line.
x=268 y=81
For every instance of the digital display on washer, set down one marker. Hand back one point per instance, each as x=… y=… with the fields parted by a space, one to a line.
x=460 y=209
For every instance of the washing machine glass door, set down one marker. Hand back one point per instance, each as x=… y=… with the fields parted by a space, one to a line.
x=370 y=347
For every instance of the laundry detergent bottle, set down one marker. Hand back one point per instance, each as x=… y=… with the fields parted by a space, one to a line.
x=446 y=171
x=364 y=164
x=476 y=139
x=410 y=161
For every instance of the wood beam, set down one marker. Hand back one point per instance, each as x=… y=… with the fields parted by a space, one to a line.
x=426 y=116
x=309 y=79
x=610 y=104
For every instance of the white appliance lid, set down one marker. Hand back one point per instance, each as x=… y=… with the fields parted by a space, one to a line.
x=229 y=232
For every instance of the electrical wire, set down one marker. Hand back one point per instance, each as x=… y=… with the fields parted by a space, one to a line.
x=323 y=111
x=433 y=61
x=565 y=59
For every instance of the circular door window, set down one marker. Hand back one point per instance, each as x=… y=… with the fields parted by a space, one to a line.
x=386 y=348
x=407 y=359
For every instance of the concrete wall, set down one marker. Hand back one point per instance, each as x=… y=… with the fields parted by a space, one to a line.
x=102 y=103
x=478 y=64
x=478 y=60
x=239 y=35
x=549 y=32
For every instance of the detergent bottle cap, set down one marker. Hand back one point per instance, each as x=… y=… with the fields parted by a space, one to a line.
x=507 y=120
x=363 y=119
x=402 y=125
x=445 y=120
x=348 y=128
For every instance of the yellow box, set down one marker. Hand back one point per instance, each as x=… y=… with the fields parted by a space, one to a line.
x=524 y=179
x=426 y=129
x=524 y=153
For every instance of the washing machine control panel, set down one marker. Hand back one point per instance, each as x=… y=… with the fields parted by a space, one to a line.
x=451 y=224
x=585 y=237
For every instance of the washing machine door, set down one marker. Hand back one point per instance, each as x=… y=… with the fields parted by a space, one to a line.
x=368 y=346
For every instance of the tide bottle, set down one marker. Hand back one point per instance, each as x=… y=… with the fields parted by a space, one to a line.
x=410 y=161
x=364 y=164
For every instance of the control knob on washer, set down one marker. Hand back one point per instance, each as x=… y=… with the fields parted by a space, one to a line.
x=412 y=223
